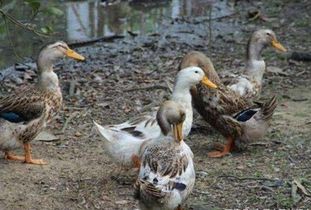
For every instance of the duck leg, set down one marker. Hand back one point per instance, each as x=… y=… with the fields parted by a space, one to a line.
x=136 y=161
x=227 y=148
x=11 y=156
x=28 y=157
x=179 y=208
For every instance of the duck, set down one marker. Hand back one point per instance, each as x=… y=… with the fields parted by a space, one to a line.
x=166 y=175
x=24 y=114
x=240 y=120
x=249 y=83
x=122 y=142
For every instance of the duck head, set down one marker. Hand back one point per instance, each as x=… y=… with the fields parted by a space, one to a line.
x=262 y=39
x=170 y=117
x=50 y=53
x=191 y=76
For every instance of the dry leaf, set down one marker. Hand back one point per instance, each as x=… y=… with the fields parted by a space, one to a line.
x=46 y=136
x=301 y=187
x=276 y=70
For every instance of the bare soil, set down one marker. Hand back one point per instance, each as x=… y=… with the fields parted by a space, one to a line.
x=125 y=77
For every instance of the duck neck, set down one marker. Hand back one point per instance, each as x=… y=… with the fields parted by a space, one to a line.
x=255 y=65
x=181 y=95
x=47 y=79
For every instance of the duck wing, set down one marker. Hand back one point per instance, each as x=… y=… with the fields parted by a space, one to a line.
x=164 y=170
x=144 y=126
x=23 y=106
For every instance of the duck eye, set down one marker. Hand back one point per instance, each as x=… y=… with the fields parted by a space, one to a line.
x=63 y=47
x=268 y=34
x=196 y=72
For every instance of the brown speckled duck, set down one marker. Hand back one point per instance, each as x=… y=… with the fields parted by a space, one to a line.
x=248 y=84
x=238 y=119
x=24 y=114
x=166 y=177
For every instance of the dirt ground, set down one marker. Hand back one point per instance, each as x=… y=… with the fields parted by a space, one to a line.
x=127 y=76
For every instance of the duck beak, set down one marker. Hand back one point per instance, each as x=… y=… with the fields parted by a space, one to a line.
x=277 y=45
x=72 y=54
x=208 y=83
x=177 y=130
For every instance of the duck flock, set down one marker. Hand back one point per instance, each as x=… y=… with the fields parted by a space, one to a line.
x=154 y=142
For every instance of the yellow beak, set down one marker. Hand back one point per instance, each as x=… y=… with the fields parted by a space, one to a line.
x=72 y=54
x=177 y=130
x=277 y=45
x=208 y=83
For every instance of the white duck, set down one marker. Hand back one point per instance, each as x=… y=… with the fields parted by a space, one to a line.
x=123 y=141
x=166 y=176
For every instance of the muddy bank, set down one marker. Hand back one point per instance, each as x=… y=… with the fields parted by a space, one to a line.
x=140 y=69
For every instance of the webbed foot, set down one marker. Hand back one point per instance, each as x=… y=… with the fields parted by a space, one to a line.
x=28 y=157
x=224 y=149
x=11 y=156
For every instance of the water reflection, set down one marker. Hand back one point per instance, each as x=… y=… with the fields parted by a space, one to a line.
x=89 y=19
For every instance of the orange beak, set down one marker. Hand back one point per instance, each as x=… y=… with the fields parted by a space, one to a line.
x=277 y=45
x=208 y=83
x=177 y=130
x=72 y=54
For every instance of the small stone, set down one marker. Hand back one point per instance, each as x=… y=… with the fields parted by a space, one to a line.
x=276 y=169
x=240 y=167
x=121 y=202
x=78 y=134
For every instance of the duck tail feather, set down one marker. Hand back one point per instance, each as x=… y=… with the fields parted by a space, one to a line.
x=268 y=108
x=106 y=133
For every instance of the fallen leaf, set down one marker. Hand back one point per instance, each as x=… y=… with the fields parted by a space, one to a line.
x=295 y=196
x=46 y=136
x=276 y=70
x=301 y=187
x=121 y=202
x=78 y=134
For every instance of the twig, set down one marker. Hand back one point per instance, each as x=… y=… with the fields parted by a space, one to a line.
x=72 y=115
x=147 y=88
x=92 y=41
x=216 y=18
x=300 y=73
x=256 y=16
x=264 y=144
x=299 y=99
x=20 y=24
x=169 y=86
x=224 y=16
x=210 y=27
x=245 y=178
x=201 y=192
x=9 y=37
x=301 y=187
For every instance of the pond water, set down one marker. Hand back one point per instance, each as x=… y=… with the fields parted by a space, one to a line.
x=83 y=20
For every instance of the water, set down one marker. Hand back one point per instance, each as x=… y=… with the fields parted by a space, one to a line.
x=83 y=20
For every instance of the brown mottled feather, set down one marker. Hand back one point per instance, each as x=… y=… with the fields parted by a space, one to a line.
x=35 y=126
x=29 y=102
x=145 y=189
x=33 y=104
x=169 y=164
x=268 y=108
